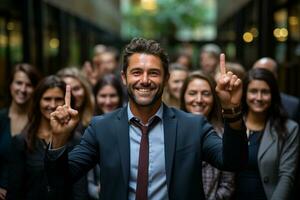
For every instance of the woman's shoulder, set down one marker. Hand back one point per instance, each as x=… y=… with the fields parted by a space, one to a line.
x=291 y=125
x=291 y=122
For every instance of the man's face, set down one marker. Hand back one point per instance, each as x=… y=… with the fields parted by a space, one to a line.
x=208 y=62
x=108 y=63
x=144 y=79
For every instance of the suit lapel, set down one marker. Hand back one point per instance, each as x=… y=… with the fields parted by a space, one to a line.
x=170 y=134
x=122 y=132
x=266 y=141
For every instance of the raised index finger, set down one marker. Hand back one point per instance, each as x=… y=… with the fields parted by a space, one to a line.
x=222 y=64
x=68 y=96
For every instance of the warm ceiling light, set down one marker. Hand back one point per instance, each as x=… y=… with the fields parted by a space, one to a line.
x=293 y=20
x=3 y=40
x=54 y=43
x=248 y=37
x=284 y=32
x=149 y=5
x=276 y=32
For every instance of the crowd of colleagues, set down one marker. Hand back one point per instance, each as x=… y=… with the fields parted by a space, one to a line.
x=224 y=102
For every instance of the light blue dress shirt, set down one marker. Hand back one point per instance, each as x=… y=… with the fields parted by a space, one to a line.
x=157 y=181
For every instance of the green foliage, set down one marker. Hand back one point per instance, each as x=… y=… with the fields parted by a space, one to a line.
x=169 y=17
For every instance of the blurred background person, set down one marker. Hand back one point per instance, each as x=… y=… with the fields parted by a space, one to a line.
x=109 y=62
x=199 y=97
x=108 y=94
x=235 y=68
x=209 y=58
x=106 y=62
x=108 y=97
x=88 y=68
x=13 y=119
x=82 y=93
x=273 y=141
x=30 y=180
x=290 y=103
x=87 y=71
x=99 y=49
x=171 y=95
x=184 y=59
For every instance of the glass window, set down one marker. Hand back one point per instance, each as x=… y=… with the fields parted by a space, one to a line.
x=294 y=23
x=3 y=61
x=51 y=40
x=74 y=43
x=15 y=41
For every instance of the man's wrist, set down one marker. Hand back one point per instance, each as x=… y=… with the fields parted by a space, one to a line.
x=233 y=116
x=232 y=111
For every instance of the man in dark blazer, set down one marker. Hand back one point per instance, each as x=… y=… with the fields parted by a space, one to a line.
x=290 y=103
x=175 y=146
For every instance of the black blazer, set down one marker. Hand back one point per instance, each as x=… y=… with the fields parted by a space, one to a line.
x=189 y=139
x=291 y=105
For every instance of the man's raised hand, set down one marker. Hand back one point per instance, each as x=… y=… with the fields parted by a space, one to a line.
x=63 y=121
x=229 y=87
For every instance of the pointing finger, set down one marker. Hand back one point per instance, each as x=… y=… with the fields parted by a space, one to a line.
x=68 y=96
x=222 y=63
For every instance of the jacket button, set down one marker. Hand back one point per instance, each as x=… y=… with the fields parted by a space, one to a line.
x=266 y=179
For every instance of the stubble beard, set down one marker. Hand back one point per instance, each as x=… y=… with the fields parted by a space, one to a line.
x=135 y=100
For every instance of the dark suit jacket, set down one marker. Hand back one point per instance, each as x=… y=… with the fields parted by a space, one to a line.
x=292 y=106
x=189 y=139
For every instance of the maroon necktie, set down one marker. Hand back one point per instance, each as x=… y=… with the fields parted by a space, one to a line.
x=142 y=178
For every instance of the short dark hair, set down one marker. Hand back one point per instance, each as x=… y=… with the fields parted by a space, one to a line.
x=151 y=47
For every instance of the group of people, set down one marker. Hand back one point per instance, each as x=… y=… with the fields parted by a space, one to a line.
x=26 y=129
x=165 y=133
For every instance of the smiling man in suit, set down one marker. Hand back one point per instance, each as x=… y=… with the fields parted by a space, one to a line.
x=146 y=150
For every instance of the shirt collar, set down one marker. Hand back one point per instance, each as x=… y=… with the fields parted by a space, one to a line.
x=159 y=113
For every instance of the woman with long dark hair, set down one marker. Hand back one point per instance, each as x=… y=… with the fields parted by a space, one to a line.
x=13 y=118
x=273 y=141
x=30 y=180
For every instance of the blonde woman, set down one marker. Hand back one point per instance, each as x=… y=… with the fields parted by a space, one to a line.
x=82 y=93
